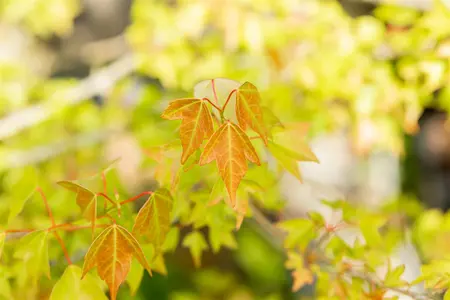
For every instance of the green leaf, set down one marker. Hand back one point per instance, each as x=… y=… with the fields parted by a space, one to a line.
x=153 y=220
x=217 y=192
x=392 y=278
x=196 y=244
x=172 y=239
x=219 y=236
x=370 y=228
x=447 y=295
x=300 y=232
x=33 y=250
x=134 y=277
x=23 y=190
x=5 y=288
x=71 y=287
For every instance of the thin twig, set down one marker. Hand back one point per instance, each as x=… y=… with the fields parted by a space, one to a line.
x=52 y=219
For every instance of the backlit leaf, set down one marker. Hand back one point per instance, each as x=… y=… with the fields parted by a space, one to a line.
x=196 y=244
x=196 y=125
x=111 y=252
x=172 y=239
x=23 y=185
x=153 y=220
x=134 y=277
x=392 y=278
x=248 y=110
x=219 y=236
x=288 y=147
x=71 y=287
x=33 y=249
x=86 y=200
x=230 y=147
x=301 y=278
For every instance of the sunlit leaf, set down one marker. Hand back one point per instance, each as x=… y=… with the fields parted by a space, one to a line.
x=23 y=189
x=111 y=252
x=392 y=278
x=134 y=277
x=196 y=244
x=301 y=278
x=196 y=125
x=300 y=232
x=153 y=220
x=248 y=110
x=289 y=147
x=230 y=147
x=33 y=249
x=217 y=192
x=86 y=200
x=71 y=287
x=219 y=237
x=172 y=239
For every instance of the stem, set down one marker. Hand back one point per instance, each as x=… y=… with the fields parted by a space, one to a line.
x=135 y=197
x=52 y=219
x=104 y=189
x=107 y=198
x=215 y=106
x=47 y=207
x=213 y=84
x=228 y=99
x=9 y=231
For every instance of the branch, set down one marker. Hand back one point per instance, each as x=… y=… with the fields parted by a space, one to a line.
x=21 y=158
x=97 y=83
x=277 y=237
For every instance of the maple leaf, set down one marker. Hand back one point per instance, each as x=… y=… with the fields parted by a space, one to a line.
x=301 y=278
x=71 y=287
x=153 y=219
x=230 y=147
x=196 y=244
x=196 y=126
x=248 y=110
x=33 y=249
x=86 y=200
x=111 y=252
x=288 y=147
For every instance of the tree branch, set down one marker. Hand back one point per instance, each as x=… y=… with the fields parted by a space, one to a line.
x=97 y=83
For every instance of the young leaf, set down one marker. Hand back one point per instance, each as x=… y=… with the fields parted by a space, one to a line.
x=196 y=126
x=86 y=200
x=230 y=147
x=33 y=248
x=220 y=236
x=197 y=244
x=248 y=110
x=392 y=278
x=111 y=252
x=22 y=190
x=134 y=277
x=153 y=220
x=71 y=287
x=288 y=148
x=172 y=239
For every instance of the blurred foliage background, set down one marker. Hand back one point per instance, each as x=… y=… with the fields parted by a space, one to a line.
x=83 y=82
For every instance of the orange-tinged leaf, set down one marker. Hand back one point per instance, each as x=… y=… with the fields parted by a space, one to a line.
x=86 y=200
x=111 y=252
x=248 y=110
x=153 y=220
x=196 y=126
x=230 y=147
x=301 y=278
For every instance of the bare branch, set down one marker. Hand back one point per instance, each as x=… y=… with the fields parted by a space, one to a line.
x=97 y=83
